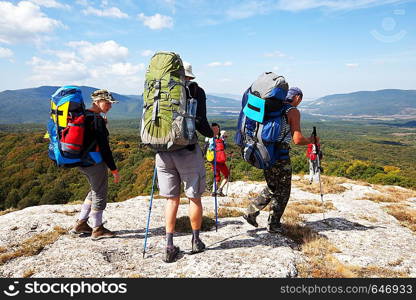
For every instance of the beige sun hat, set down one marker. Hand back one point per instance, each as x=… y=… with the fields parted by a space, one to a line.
x=188 y=70
x=99 y=95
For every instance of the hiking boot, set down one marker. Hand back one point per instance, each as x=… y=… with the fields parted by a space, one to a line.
x=81 y=226
x=251 y=218
x=171 y=254
x=101 y=232
x=197 y=246
x=220 y=193
x=274 y=228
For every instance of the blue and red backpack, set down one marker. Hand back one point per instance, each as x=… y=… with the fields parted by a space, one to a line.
x=66 y=130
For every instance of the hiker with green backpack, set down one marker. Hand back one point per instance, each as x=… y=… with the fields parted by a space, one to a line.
x=268 y=122
x=174 y=108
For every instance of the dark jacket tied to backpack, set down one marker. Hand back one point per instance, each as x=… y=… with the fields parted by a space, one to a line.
x=96 y=131
x=201 y=122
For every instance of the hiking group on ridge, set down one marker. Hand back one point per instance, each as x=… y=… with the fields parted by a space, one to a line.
x=174 y=110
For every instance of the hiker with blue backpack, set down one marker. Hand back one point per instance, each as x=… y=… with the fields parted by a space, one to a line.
x=174 y=108
x=96 y=134
x=268 y=122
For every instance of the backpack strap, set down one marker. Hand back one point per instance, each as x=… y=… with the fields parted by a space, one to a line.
x=94 y=142
x=156 y=96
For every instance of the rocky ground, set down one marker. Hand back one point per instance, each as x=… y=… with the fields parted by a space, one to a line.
x=364 y=233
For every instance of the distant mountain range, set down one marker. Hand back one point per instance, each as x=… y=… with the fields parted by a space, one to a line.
x=387 y=103
x=32 y=105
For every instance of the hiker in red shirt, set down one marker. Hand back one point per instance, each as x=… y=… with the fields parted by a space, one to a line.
x=312 y=155
x=220 y=157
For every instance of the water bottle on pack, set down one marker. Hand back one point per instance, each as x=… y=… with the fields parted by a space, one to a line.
x=190 y=117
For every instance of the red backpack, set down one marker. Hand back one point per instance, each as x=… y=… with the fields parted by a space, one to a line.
x=312 y=152
x=220 y=151
x=73 y=135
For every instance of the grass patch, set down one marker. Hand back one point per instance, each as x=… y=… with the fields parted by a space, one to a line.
x=318 y=250
x=33 y=245
x=6 y=211
x=224 y=212
x=67 y=213
x=395 y=263
x=404 y=214
x=311 y=206
x=28 y=273
x=294 y=210
x=75 y=202
x=183 y=224
x=184 y=201
x=400 y=194
x=368 y=218
x=134 y=275
x=377 y=272
x=330 y=185
x=242 y=203
x=381 y=198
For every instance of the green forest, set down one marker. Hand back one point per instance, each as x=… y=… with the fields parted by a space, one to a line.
x=375 y=152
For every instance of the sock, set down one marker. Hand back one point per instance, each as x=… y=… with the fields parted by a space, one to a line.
x=195 y=234
x=85 y=211
x=169 y=240
x=96 y=217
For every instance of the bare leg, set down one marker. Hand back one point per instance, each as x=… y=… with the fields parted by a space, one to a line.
x=195 y=213
x=170 y=214
x=223 y=183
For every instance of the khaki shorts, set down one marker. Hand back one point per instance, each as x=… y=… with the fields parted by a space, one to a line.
x=181 y=165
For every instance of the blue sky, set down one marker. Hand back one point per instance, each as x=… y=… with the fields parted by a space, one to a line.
x=322 y=46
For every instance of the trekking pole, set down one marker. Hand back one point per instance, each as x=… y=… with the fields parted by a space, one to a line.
x=319 y=171
x=215 y=186
x=229 y=173
x=150 y=210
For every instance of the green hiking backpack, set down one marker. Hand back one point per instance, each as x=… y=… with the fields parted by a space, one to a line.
x=168 y=119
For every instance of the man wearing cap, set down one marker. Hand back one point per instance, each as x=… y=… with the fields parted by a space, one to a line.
x=185 y=165
x=279 y=177
x=96 y=133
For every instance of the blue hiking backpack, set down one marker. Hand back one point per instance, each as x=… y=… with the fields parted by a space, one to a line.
x=260 y=121
x=66 y=128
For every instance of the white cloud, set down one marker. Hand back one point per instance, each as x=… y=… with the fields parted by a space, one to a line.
x=147 y=52
x=82 y=2
x=105 y=51
x=124 y=69
x=331 y=4
x=275 y=54
x=157 y=21
x=50 y=4
x=6 y=53
x=101 y=65
x=247 y=8
x=111 y=12
x=58 y=72
x=220 y=64
x=352 y=65
x=24 y=22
